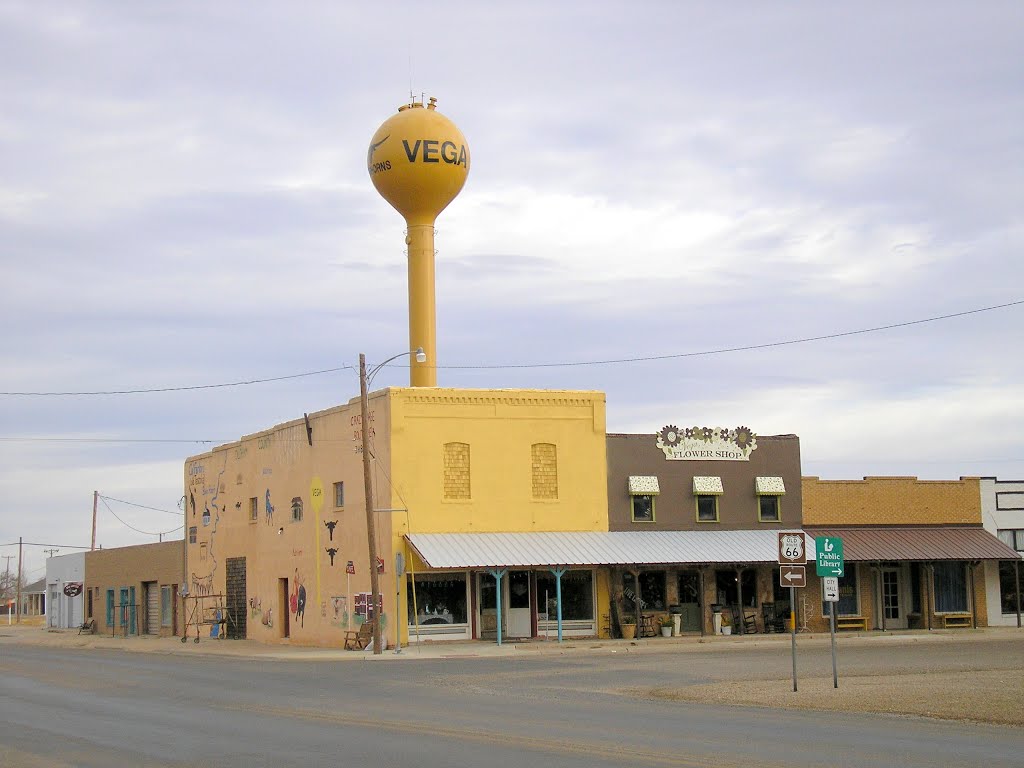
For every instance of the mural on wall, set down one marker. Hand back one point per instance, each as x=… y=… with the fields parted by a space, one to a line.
x=364 y=608
x=297 y=601
x=331 y=525
x=256 y=612
x=202 y=582
x=332 y=551
x=269 y=509
x=706 y=443
x=339 y=606
x=296 y=509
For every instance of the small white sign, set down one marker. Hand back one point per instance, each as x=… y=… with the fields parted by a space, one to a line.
x=830 y=587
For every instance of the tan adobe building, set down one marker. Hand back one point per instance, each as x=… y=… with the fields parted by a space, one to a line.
x=913 y=550
x=276 y=522
x=135 y=590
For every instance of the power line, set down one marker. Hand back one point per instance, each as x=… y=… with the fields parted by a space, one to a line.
x=561 y=364
x=140 y=506
x=138 y=530
x=107 y=440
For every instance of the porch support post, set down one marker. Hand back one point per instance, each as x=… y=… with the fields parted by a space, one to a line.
x=636 y=602
x=974 y=607
x=930 y=578
x=704 y=603
x=739 y=599
x=1016 y=583
x=559 y=572
x=881 y=594
x=497 y=573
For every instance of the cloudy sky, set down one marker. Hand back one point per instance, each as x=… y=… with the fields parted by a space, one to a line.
x=184 y=202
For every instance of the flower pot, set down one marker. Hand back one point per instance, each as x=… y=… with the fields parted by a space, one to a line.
x=628 y=631
x=727 y=630
x=666 y=631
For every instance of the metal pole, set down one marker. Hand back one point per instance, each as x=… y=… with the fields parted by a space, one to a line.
x=930 y=577
x=371 y=533
x=399 y=566
x=739 y=599
x=792 y=629
x=974 y=607
x=95 y=503
x=703 y=601
x=832 y=631
x=19 y=582
x=558 y=598
x=1016 y=581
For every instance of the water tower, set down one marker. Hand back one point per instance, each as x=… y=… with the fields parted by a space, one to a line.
x=418 y=161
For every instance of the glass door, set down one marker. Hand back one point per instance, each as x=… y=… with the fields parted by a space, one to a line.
x=891 y=602
x=519 y=604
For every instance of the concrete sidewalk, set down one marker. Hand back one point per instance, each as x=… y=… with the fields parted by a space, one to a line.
x=69 y=638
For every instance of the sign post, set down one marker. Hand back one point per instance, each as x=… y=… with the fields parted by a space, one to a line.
x=830 y=566
x=792 y=564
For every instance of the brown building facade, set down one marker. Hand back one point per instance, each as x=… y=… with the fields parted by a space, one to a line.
x=133 y=591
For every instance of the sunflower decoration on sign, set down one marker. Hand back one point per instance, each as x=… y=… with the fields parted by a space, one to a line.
x=744 y=439
x=671 y=435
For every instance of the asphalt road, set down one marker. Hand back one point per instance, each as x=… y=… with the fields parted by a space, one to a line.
x=61 y=707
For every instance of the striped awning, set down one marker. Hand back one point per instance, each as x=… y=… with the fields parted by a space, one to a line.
x=595 y=548
x=917 y=544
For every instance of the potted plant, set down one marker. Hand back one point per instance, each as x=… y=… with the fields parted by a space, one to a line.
x=666 y=625
x=726 y=624
x=628 y=630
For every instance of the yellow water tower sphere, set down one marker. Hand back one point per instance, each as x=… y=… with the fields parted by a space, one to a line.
x=418 y=161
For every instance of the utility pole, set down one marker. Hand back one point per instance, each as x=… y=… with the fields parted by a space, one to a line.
x=18 y=614
x=95 y=504
x=7 y=586
x=371 y=533
x=50 y=552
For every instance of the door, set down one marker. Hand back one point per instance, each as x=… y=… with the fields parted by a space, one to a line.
x=519 y=604
x=892 y=605
x=152 y=591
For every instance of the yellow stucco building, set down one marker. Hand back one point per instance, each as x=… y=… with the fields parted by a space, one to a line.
x=277 y=531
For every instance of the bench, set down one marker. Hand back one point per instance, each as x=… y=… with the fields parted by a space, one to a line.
x=956 y=620
x=359 y=639
x=852 y=622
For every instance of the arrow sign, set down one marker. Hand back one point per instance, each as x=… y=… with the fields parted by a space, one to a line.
x=793 y=576
x=830 y=555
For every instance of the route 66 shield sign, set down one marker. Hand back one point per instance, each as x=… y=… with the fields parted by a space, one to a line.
x=791 y=547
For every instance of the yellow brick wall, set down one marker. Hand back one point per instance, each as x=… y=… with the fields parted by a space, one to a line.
x=456 y=471
x=891 y=501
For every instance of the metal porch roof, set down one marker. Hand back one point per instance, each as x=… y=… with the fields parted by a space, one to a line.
x=871 y=544
x=591 y=548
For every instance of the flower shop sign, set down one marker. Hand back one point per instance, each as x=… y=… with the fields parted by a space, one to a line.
x=707 y=443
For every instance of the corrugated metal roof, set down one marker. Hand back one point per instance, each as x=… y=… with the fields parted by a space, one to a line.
x=865 y=544
x=491 y=550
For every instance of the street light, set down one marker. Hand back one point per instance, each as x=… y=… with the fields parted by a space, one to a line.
x=371 y=533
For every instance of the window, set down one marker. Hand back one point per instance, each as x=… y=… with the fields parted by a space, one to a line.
x=339 y=494
x=440 y=599
x=707 y=508
x=254 y=510
x=643 y=508
x=642 y=490
x=110 y=607
x=296 y=509
x=651 y=595
x=166 y=606
x=950 y=588
x=202 y=551
x=192 y=531
x=544 y=463
x=1008 y=592
x=577 y=595
x=1013 y=537
x=456 y=471
x=768 y=509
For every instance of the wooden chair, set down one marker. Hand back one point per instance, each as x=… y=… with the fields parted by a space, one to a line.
x=359 y=639
x=88 y=627
x=774 y=620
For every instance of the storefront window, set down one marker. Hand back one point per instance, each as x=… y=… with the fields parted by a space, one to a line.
x=727 y=590
x=652 y=591
x=1007 y=591
x=950 y=588
x=577 y=595
x=440 y=598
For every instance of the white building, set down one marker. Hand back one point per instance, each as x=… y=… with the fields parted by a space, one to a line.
x=65 y=583
x=1002 y=510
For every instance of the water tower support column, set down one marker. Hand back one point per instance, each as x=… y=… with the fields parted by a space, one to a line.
x=422 y=304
